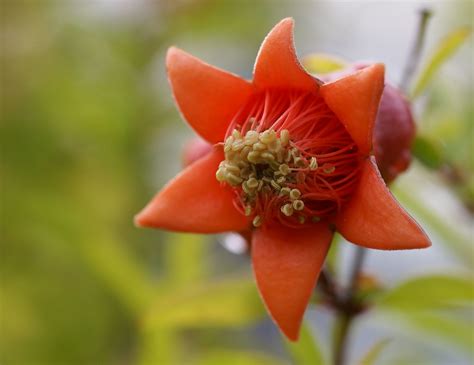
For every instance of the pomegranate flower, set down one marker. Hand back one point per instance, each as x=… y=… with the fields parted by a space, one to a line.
x=290 y=163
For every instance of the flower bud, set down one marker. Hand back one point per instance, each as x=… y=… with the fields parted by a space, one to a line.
x=394 y=129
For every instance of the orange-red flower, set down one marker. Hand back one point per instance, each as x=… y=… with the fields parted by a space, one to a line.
x=291 y=162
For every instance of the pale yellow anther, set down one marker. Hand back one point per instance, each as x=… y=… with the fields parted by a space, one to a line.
x=275 y=185
x=295 y=152
x=237 y=146
x=300 y=162
x=259 y=146
x=248 y=210
x=298 y=205
x=229 y=140
x=254 y=157
x=267 y=156
x=220 y=174
x=284 y=137
x=257 y=221
x=274 y=146
x=252 y=183
x=328 y=169
x=287 y=210
x=263 y=165
x=246 y=188
x=233 y=179
x=251 y=138
x=268 y=136
x=284 y=169
x=294 y=194
x=236 y=134
x=245 y=151
x=232 y=168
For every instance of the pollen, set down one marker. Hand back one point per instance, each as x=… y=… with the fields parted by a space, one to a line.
x=288 y=159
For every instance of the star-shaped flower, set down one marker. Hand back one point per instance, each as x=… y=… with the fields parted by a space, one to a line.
x=291 y=163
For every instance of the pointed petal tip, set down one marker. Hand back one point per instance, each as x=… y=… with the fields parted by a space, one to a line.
x=372 y=203
x=277 y=64
x=286 y=265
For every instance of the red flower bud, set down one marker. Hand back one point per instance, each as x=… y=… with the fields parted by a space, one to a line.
x=394 y=130
x=394 y=133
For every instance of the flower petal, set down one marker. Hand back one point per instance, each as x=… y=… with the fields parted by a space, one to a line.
x=207 y=96
x=277 y=64
x=355 y=100
x=194 y=201
x=374 y=219
x=286 y=264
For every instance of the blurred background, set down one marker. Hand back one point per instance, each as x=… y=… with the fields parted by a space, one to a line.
x=89 y=133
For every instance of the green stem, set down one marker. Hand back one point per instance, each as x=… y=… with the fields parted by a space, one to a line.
x=414 y=57
x=348 y=311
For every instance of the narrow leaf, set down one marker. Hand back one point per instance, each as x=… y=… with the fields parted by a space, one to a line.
x=306 y=350
x=320 y=63
x=227 y=302
x=445 y=49
x=372 y=355
x=435 y=291
x=428 y=152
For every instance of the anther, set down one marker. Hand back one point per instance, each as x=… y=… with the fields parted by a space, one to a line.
x=252 y=183
x=284 y=169
x=275 y=185
x=232 y=179
x=220 y=175
x=294 y=194
x=313 y=163
x=284 y=137
x=285 y=191
x=257 y=221
x=248 y=210
x=287 y=210
x=298 y=205
x=328 y=168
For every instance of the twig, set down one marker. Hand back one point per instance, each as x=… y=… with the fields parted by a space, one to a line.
x=414 y=57
x=348 y=310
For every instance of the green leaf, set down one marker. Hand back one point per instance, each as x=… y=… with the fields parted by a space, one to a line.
x=435 y=291
x=445 y=49
x=444 y=327
x=186 y=258
x=234 y=357
x=319 y=63
x=227 y=302
x=456 y=242
x=372 y=355
x=306 y=350
x=428 y=152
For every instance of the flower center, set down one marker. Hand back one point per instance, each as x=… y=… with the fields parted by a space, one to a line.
x=288 y=159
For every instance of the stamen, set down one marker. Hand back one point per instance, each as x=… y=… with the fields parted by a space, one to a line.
x=282 y=150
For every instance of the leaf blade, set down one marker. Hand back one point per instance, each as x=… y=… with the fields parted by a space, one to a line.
x=446 y=48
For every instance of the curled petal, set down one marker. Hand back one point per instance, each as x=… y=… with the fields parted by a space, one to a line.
x=286 y=263
x=207 y=96
x=277 y=65
x=355 y=100
x=374 y=219
x=194 y=201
